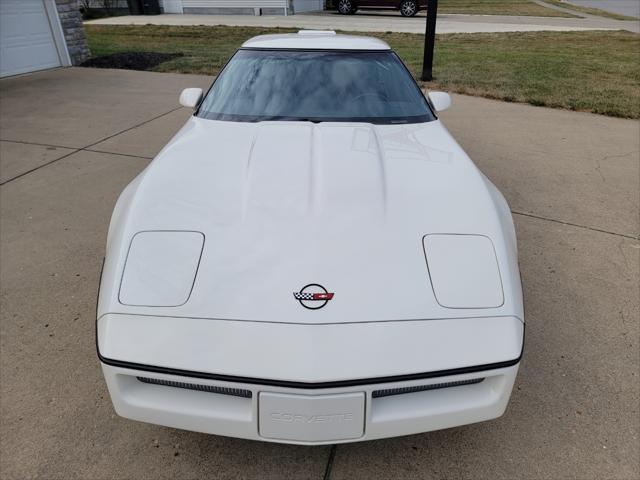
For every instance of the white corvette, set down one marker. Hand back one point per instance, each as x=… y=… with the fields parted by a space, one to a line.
x=312 y=259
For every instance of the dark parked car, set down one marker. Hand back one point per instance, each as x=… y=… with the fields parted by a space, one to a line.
x=408 y=8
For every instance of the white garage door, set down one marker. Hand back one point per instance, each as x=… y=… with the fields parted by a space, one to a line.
x=27 y=41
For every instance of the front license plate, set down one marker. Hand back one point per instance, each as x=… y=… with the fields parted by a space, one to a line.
x=311 y=418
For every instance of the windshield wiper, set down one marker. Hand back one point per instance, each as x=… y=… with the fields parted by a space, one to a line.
x=277 y=118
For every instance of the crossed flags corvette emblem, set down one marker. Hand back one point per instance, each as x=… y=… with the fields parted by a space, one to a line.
x=313 y=296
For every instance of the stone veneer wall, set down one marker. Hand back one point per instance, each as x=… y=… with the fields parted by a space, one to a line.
x=71 y=22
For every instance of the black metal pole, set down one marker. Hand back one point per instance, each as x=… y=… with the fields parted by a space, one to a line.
x=429 y=40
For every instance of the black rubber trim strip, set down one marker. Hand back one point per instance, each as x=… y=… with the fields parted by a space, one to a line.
x=305 y=385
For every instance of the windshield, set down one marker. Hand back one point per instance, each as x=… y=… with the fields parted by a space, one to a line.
x=316 y=86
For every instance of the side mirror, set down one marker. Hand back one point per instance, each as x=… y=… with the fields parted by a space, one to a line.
x=440 y=100
x=190 y=97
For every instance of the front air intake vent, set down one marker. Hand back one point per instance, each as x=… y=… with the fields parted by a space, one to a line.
x=421 y=388
x=235 y=392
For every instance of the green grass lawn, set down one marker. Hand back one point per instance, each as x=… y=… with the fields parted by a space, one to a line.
x=589 y=71
x=498 y=7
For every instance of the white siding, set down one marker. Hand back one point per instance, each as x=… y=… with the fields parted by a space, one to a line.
x=307 y=5
x=177 y=6
x=234 y=3
x=171 y=6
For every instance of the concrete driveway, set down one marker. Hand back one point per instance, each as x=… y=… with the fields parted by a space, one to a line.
x=72 y=139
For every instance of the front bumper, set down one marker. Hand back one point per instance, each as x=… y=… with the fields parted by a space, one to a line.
x=309 y=417
x=309 y=384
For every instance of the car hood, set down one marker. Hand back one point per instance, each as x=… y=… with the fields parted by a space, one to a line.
x=284 y=204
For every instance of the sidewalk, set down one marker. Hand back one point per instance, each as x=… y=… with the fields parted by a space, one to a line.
x=384 y=22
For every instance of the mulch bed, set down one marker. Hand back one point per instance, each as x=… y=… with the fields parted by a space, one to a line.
x=130 y=60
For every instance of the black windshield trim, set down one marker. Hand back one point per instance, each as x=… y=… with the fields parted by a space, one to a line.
x=226 y=117
x=223 y=117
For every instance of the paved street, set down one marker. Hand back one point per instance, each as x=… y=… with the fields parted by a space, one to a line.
x=72 y=139
x=622 y=7
x=372 y=21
